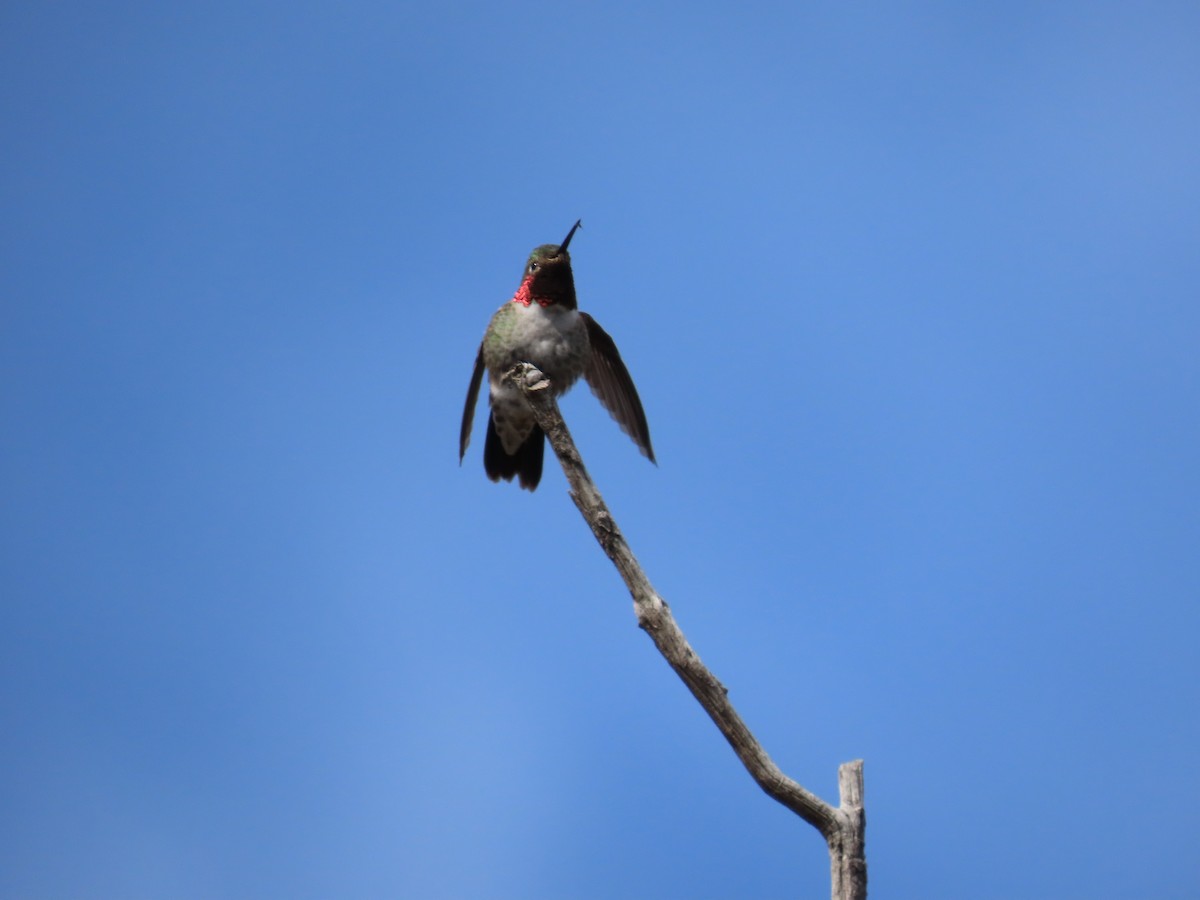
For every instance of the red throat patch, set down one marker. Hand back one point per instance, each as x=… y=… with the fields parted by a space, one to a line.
x=525 y=296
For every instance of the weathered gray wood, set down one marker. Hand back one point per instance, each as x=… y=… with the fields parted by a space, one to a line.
x=843 y=827
x=847 y=847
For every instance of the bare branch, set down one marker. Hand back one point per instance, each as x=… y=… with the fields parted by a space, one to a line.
x=843 y=826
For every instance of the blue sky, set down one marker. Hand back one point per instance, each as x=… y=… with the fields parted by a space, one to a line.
x=910 y=296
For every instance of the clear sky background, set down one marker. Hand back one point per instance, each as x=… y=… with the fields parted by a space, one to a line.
x=910 y=292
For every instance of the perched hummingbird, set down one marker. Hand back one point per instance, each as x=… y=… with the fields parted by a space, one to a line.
x=542 y=325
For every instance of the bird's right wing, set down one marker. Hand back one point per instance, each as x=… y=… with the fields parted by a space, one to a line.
x=464 y=436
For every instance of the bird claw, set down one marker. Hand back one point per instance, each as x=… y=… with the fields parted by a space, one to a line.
x=535 y=380
x=527 y=376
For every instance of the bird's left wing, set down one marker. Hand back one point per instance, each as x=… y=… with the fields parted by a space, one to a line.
x=609 y=380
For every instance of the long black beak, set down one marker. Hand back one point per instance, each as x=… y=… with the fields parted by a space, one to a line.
x=570 y=234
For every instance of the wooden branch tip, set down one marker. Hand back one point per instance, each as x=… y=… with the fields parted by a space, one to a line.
x=850 y=784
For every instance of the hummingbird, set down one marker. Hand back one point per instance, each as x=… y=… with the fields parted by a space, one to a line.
x=542 y=325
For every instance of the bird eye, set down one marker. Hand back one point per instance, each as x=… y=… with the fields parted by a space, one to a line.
x=533 y=267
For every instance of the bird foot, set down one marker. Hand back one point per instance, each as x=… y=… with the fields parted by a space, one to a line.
x=535 y=380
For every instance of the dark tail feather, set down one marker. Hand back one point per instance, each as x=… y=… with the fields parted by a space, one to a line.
x=526 y=463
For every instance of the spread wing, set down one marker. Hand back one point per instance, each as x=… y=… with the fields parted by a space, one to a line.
x=464 y=436
x=609 y=380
